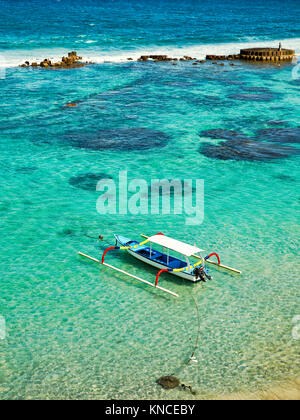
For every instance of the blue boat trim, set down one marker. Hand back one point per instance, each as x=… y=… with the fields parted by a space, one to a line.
x=156 y=256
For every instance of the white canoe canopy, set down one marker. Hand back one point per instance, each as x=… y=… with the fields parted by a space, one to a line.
x=174 y=245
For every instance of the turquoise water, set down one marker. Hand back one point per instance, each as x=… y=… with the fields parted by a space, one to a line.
x=77 y=330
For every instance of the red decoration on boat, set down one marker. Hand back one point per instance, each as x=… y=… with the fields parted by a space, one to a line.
x=111 y=247
x=158 y=274
x=214 y=253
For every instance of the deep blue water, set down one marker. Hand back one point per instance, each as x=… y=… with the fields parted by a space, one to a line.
x=118 y=25
x=75 y=330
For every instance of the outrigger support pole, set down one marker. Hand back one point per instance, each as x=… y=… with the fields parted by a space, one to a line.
x=128 y=274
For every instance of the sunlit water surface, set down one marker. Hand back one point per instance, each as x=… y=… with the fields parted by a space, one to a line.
x=76 y=329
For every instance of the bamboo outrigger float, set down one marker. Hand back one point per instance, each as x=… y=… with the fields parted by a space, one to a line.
x=163 y=260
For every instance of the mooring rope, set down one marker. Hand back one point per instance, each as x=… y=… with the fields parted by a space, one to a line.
x=100 y=238
x=192 y=356
x=199 y=328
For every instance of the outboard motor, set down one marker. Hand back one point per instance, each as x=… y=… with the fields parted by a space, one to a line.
x=198 y=273
x=201 y=274
x=206 y=274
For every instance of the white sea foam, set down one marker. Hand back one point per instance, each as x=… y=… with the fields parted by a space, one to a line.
x=13 y=58
x=197 y=51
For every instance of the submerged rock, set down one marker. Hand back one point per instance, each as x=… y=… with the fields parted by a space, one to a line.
x=120 y=139
x=88 y=181
x=168 y=382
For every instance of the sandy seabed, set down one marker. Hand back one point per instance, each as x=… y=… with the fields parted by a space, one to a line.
x=288 y=391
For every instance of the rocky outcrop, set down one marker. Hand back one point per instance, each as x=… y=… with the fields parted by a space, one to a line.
x=69 y=62
x=160 y=57
x=222 y=57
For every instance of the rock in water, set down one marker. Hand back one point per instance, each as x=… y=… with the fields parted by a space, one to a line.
x=119 y=139
x=72 y=61
x=168 y=382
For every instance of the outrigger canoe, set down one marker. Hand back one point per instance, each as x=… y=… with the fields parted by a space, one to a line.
x=163 y=260
x=148 y=252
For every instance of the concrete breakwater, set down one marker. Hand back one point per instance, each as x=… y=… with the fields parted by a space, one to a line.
x=258 y=54
x=267 y=54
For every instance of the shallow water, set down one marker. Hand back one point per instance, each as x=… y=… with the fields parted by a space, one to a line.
x=76 y=330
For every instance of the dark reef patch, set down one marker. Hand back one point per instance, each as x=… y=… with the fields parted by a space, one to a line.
x=120 y=139
x=26 y=169
x=66 y=232
x=280 y=135
x=275 y=122
x=284 y=177
x=256 y=89
x=88 y=181
x=222 y=134
x=248 y=150
x=256 y=97
x=206 y=101
x=238 y=146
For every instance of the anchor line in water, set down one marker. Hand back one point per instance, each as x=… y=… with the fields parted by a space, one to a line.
x=199 y=327
x=191 y=358
x=99 y=238
x=197 y=338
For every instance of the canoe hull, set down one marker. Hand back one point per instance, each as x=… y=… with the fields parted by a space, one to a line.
x=184 y=275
